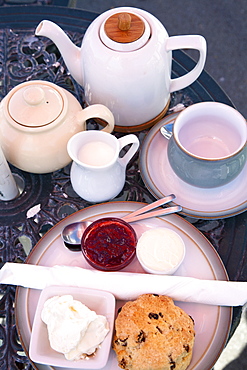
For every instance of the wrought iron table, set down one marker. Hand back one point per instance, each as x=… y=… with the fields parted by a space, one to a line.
x=25 y=57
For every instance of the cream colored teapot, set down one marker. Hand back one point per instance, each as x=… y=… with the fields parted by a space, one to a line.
x=37 y=119
x=125 y=62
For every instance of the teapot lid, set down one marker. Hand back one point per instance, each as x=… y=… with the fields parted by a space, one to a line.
x=125 y=31
x=36 y=105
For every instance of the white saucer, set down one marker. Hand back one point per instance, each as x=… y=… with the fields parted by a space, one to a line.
x=159 y=178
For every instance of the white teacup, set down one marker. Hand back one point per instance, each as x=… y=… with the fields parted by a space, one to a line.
x=98 y=172
x=208 y=145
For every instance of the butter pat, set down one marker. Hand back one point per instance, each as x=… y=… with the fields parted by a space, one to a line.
x=73 y=329
x=160 y=251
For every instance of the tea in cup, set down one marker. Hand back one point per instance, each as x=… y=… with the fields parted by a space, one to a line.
x=208 y=146
x=98 y=172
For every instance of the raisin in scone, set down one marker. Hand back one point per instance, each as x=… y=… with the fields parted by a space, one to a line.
x=151 y=333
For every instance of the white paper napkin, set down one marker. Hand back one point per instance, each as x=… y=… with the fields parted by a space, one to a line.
x=127 y=286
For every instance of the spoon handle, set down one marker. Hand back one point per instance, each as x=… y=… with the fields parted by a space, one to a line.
x=149 y=207
x=166 y=132
x=160 y=212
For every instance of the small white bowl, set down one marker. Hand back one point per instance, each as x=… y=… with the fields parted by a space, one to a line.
x=160 y=251
x=40 y=351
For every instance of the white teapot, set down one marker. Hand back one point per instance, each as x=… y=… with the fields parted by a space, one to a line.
x=125 y=63
x=37 y=119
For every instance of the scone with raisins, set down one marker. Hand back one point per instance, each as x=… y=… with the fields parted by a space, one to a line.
x=151 y=333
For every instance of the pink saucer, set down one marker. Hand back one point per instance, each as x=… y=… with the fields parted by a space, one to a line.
x=159 y=178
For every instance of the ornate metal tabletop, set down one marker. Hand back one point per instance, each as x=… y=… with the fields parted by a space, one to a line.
x=46 y=199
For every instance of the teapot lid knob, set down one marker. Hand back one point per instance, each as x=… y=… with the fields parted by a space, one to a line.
x=35 y=104
x=124 y=27
x=124 y=21
x=33 y=95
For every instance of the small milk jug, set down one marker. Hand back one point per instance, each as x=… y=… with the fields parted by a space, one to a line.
x=98 y=171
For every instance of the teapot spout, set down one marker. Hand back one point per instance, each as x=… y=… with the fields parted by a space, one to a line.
x=69 y=51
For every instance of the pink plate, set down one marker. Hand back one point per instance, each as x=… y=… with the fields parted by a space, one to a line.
x=212 y=323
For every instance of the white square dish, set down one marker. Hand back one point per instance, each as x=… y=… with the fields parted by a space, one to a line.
x=40 y=351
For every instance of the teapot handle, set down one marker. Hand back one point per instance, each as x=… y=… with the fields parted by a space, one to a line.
x=98 y=111
x=196 y=42
x=126 y=140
